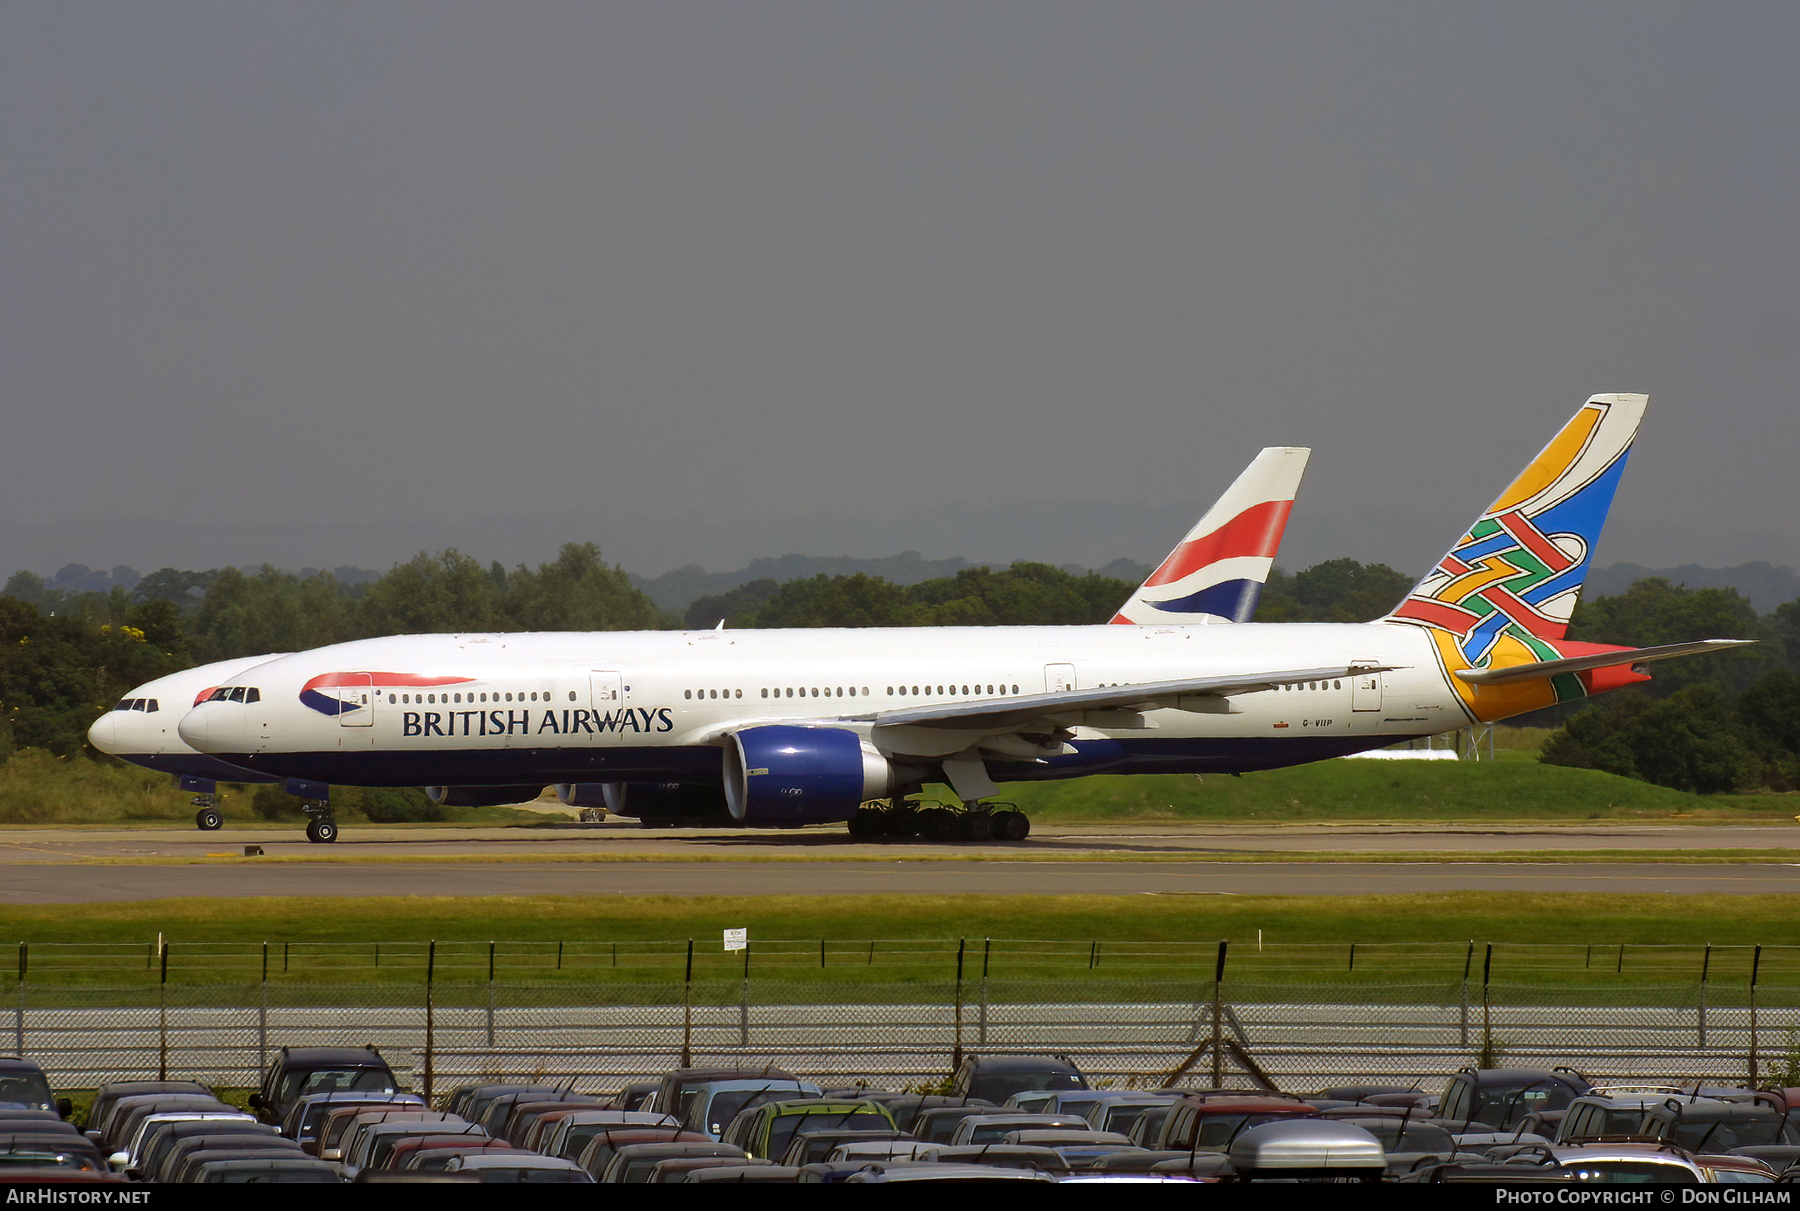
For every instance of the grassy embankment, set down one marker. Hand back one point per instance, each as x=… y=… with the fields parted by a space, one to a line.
x=38 y=789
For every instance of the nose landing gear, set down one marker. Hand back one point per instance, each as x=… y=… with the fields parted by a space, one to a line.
x=208 y=819
x=321 y=828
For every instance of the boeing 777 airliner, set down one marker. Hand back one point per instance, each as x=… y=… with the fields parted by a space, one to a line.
x=1216 y=573
x=792 y=727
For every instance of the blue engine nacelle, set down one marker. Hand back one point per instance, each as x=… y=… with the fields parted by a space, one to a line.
x=784 y=775
x=482 y=796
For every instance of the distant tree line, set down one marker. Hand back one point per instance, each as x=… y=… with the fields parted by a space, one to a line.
x=1707 y=724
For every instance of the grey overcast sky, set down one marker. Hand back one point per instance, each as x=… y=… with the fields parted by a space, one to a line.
x=329 y=283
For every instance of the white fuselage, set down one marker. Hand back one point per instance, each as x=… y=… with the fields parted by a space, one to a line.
x=565 y=707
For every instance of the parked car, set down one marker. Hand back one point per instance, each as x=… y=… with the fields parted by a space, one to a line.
x=1705 y=1125
x=764 y=1131
x=1500 y=1097
x=298 y=1071
x=1306 y=1148
x=998 y=1077
x=711 y=1106
x=1210 y=1121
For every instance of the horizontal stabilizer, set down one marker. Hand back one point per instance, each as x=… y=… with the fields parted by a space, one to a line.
x=1602 y=660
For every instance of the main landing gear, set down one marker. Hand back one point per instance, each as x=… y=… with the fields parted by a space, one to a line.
x=321 y=828
x=979 y=822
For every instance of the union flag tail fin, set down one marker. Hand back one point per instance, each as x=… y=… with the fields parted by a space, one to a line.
x=1218 y=571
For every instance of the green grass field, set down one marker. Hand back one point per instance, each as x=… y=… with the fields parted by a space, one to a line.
x=1550 y=939
x=1363 y=791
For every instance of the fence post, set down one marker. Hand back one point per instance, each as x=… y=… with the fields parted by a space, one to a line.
x=262 y=1015
x=1487 y=1004
x=1755 y=967
x=987 y=950
x=430 y=1015
x=1468 y=962
x=490 y=995
x=956 y=1054
x=19 y=1016
x=687 y=1010
x=1705 y=966
x=162 y=1003
x=744 y=1002
x=1218 y=1018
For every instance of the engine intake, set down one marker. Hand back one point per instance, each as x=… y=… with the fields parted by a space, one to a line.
x=783 y=775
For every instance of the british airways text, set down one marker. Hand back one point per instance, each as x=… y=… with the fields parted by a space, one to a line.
x=520 y=723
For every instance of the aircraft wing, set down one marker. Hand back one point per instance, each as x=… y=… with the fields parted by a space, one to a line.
x=1007 y=714
x=1601 y=660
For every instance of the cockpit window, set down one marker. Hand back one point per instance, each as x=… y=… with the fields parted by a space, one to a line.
x=235 y=693
x=150 y=704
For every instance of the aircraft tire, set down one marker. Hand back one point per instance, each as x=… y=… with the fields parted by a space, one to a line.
x=901 y=822
x=1011 y=826
x=938 y=825
x=208 y=819
x=322 y=832
x=977 y=826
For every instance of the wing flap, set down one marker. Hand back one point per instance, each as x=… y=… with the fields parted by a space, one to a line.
x=1050 y=709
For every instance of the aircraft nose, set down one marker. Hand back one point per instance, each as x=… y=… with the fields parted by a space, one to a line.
x=194 y=729
x=104 y=735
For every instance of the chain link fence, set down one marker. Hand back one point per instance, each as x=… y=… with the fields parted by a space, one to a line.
x=1301 y=1035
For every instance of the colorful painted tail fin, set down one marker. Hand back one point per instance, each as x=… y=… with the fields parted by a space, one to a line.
x=1219 y=569
x=1503 y=594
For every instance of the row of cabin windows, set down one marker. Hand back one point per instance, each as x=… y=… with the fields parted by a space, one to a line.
x=779 y=692
x=235 y=693
x=434 y=699
x=138 y=704
x=845 y=692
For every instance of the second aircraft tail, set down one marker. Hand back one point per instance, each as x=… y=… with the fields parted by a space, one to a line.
x=1220 y=567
